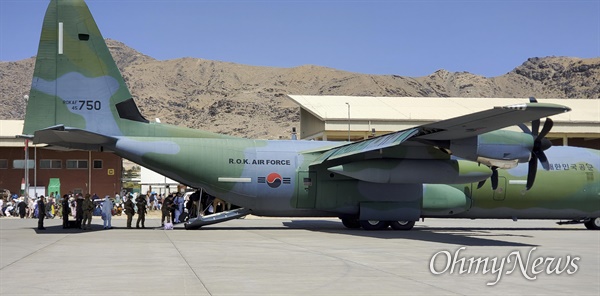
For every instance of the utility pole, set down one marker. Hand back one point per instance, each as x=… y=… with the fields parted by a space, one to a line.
x=348 y=121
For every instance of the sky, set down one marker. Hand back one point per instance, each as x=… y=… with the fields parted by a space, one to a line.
x=406 y=38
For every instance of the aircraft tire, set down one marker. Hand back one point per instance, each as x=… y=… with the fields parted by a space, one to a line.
x=373 y=224
x=187 y=226
x=350 y=223
x=593 y=224
x=402 y=225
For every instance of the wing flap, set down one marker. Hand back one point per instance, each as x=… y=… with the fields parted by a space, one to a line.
x=372 y=144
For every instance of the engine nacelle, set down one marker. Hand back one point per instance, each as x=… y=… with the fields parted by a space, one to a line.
x=404 y=171
x=502 y=149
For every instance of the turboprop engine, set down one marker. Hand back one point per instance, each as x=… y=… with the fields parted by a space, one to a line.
x=500 y=149
x=398 y=171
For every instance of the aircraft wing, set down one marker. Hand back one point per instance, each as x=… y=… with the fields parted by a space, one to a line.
x=488 y=120
x=451 y=129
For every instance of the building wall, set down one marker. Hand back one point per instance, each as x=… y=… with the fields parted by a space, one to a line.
x=310 y=125
x=102 y=181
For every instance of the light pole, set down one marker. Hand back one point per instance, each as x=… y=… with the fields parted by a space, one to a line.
x=348 y=121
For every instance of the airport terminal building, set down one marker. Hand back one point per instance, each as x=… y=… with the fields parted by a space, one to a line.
x=339 y=118
x=70 y=171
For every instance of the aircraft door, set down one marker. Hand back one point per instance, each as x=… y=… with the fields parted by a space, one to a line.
x=500 y=192
x=306 y=191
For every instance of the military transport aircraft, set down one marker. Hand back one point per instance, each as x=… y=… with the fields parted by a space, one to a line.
x=79 y=100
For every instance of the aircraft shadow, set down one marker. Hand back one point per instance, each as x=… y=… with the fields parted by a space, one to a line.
x=94 y=228
x=456 y=236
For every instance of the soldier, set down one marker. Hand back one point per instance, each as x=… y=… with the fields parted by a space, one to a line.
x=41 y=211
x=166 y=209
x=129 y=211
x=88 y=209
x=141 y=211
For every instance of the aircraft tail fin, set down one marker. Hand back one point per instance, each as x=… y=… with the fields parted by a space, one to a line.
x=76 y=82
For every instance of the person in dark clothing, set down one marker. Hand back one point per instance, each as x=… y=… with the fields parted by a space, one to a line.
x=41 y=210
x=166 y=209
x=22 y=206
x=66 y=209
x=129 y=211
x=79 y=210
x=195 y=202
x=141 y=211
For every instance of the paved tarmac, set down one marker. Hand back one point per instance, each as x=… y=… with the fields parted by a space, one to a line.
x=297 y=256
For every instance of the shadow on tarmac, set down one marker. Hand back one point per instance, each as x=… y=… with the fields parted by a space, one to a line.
x=457 y=235
x=94 y=228
x=465 y=236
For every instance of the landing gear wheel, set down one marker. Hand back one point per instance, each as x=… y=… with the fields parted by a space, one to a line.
x=351 y=223
x=593 y=224
x=402 y=225
x=373 y=224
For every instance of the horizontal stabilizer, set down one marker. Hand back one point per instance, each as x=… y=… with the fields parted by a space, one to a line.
x=72 y=138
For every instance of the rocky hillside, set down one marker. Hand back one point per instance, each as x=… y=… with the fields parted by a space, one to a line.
x=249 y=101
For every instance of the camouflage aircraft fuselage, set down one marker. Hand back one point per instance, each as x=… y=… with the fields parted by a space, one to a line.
x=274 y=178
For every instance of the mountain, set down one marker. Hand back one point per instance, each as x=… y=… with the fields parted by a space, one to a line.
x=249 y=101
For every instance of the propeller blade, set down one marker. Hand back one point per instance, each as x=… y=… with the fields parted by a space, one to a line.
x=547 y=126
x=481 y=183
x=535 y=128
x=532 y=171
x=543 y=160
x=494 y=178
x=524 y=128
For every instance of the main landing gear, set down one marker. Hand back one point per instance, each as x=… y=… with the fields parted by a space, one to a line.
x=592 y=224
x=376 y=224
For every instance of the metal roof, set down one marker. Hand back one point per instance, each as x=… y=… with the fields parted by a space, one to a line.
x=431 y=108
x=10 y=128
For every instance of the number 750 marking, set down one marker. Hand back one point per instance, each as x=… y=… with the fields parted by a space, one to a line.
x=89 y=105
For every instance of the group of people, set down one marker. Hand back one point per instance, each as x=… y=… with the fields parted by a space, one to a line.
x=174 y=208
x=24 y=207
x=131 y=208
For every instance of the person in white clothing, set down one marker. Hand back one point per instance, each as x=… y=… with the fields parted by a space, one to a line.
x=107 y=207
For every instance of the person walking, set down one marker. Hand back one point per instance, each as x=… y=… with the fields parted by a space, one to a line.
x=129 y=211
x=41 y=211
x=107 y=207
x=88 y=209
x=141 y=211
